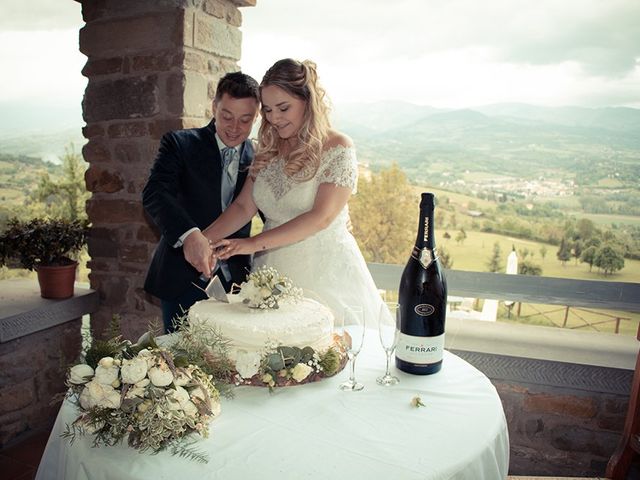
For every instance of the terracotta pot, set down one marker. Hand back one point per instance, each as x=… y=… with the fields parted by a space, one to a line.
x=57 y=282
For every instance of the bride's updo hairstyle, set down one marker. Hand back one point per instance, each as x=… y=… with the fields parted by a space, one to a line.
x=299 y=79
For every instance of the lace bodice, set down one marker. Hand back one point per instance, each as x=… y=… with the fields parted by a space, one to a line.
x=281 y=198
x=328 y=264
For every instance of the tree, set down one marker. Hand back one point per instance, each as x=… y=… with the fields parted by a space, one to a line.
x=527 y=267
x=576 y=250
x=445 y=258
x=65 y=197
x=589 y=255
x=564 y=252
x=609 y=259
x=495 y=262
x=461 y=236
x=384 y=216
x=543 y=251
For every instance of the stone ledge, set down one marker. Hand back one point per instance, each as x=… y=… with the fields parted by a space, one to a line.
x=23 y=311
x=543 y=343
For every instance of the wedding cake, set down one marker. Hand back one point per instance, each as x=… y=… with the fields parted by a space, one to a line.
x=276 y=336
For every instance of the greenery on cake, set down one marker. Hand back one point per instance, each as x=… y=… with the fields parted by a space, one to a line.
x=281 y=365
x=154 y=397
x=266 y=288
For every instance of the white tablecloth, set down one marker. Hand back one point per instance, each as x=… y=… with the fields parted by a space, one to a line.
x=317 y=431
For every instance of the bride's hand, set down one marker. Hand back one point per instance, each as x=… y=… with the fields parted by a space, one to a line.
x=232 y=246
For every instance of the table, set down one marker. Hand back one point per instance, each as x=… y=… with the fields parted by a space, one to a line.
x=317 y=431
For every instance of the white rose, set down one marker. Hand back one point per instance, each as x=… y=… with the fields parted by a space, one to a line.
x=190 y=409
x=199 y=394
x=148 y=356
x=301 y=371
x=247 y=363
x=134 y=370
x=183 y=378
x=134 y=392
x=97 y=394
x=160 y=375
x=143 y=383
x=106 y=371
x=106 y=362
x=80 y=374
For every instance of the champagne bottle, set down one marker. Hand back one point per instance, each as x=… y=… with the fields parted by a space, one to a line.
x=423 y=300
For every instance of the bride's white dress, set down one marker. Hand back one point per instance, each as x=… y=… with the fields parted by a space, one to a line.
x=328 y=263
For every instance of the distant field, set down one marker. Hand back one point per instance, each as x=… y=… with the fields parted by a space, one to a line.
x=607 y=219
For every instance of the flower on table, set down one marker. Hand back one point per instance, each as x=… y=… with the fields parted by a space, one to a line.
x=149 y=396
x=107 y=371
x=134 y=370
x=80 y=374
x=96 y=394
x=301 y=371
x=248 y=363
x=417 y=402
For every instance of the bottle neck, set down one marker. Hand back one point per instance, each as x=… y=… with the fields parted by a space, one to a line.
x=425 y=238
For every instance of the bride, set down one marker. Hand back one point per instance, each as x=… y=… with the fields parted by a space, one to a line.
x=301 y=180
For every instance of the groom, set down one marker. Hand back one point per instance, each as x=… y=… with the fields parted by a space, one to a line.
x=196 y=174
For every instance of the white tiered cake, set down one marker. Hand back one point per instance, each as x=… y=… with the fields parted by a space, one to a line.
x=276 y=336
x=298 y=323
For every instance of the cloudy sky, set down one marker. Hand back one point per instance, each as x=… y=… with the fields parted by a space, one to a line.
x=444 y=53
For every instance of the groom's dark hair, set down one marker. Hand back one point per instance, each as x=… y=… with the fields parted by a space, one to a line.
x=237 y=85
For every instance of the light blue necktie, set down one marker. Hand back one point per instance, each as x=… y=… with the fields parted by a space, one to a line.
x=228 y=186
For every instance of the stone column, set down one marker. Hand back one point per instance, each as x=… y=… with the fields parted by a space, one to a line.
x=152 y=67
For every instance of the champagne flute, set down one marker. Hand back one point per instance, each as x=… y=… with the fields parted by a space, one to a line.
x=388 y=324
x=351 y=331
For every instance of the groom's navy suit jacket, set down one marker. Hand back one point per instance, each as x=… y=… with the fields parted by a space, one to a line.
x=183 y=191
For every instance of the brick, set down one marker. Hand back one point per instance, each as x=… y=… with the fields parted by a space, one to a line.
x=215 y=8
x=127 y=152
x=17 y=396
x=99 y=179
x=102 y=243
x=102 y=66
x=216 y=36
x=153 y=31
x=157 y=62
x=159 y=127
x=195 y=61
x=195 y=96
x=92 y=131
x=147 y=234
x=174 y=98
x=138 y=253
x=571 y=438
x=121 y=99
x=107 y=211
x=128 y=129
x=560 y=405
x=96 y=151
x=234 y=17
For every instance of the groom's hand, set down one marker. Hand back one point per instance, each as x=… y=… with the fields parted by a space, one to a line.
x=197 y=252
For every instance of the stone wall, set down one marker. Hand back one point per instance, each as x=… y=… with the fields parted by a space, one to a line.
x=152 y=67
x=38 y=339
x=564 y=419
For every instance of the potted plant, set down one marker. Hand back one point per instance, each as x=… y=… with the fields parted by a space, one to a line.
x=48 y=246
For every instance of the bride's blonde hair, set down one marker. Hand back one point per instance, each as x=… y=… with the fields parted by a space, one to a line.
x=299 y=79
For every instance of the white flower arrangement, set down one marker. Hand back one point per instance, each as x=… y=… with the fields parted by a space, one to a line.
x=150 y=396
x=266 y=288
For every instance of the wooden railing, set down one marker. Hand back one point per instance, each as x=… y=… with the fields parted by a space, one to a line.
x=525 y=288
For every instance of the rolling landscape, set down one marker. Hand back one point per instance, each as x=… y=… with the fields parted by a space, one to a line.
x=510 y=174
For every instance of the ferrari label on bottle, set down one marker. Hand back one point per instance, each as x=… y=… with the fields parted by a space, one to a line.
x=420 y=350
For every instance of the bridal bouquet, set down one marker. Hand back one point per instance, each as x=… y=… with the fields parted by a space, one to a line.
x=152 y=396
x=266 y=287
